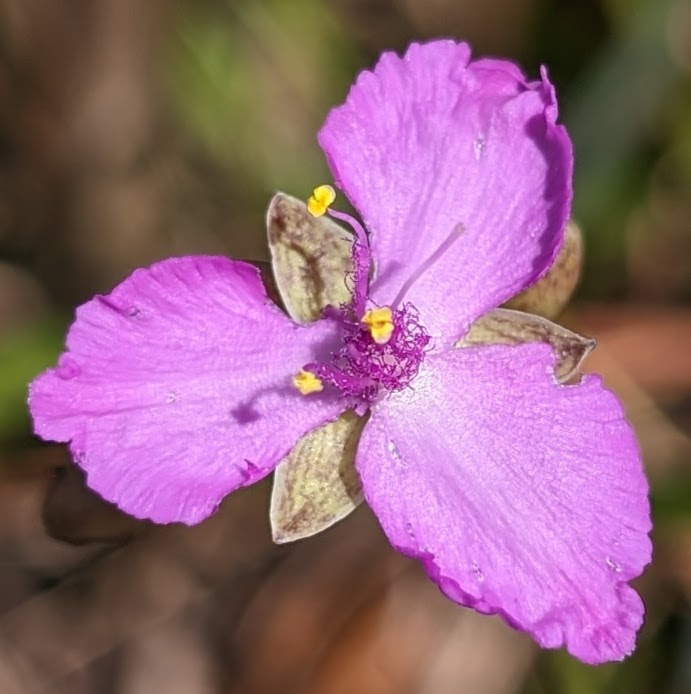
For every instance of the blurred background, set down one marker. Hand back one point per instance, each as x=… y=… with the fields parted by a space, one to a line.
x=131 y=131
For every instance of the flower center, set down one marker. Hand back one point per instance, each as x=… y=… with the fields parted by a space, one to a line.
x=367 y=364
x=383 y=349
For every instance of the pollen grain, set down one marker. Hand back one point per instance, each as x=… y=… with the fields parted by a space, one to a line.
x=306 y=382
x=380 y=324
x=320 y=200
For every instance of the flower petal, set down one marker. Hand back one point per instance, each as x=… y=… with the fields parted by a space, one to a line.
x=317 y=484
x=176 y=387
x=431 y=142
x=532 y=505
x=310 y=257
x=506 y=327
x=551 y=293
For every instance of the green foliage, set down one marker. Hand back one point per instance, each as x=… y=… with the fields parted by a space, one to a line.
x=616 y=116
x=24 y=354
x=252 y=91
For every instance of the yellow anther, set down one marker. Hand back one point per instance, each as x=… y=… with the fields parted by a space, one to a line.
x=320 y=200
x=380 y=324
x=306 y=382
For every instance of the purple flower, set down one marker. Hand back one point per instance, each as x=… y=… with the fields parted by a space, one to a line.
x=521 y=496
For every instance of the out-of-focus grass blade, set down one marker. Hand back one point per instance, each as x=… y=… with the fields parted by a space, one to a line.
x=671 y=501
x=24 y=354
x=252 y=92
x=612 y=114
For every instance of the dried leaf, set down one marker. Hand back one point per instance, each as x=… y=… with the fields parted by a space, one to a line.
x=310 y=257
x=549 y=296
x=317 y=484
x=506 y=327
x=74 y=513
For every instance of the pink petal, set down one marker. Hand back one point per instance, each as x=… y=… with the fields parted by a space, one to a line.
x=176 y=387
x=427 y=142
x=521 y=497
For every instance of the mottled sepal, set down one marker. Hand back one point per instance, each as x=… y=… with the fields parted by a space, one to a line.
x=506 y=327
x=317 y=485
x=548 y=297
x=310 y=257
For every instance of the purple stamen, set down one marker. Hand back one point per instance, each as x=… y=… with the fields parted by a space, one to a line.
x=427 y=264
x=361 y=260
x=362 y=369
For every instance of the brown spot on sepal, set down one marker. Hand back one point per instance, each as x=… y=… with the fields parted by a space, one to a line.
x=317 y=484
x=549 y=296
x=507 y=327
x=310 y=257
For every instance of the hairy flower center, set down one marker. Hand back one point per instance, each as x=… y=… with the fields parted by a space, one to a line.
x=365 y=366
x=383 y=349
